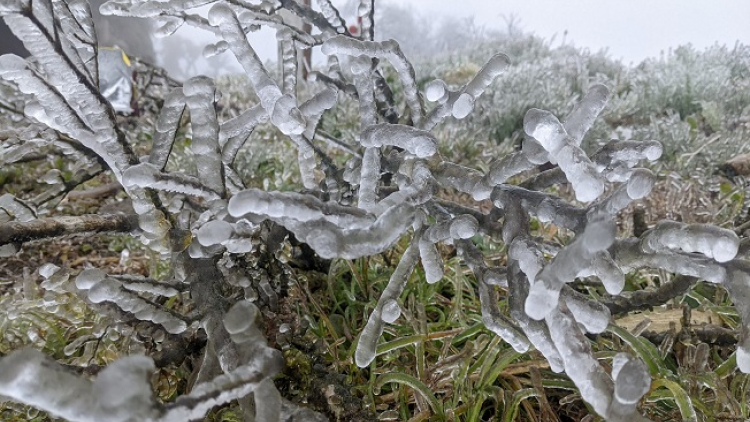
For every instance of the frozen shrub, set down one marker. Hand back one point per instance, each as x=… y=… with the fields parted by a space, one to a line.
x=204 y=222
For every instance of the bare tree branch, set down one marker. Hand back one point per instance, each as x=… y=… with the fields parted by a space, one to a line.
x=18 y=232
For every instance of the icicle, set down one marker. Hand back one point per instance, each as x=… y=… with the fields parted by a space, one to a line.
x=593 y=382
x=372 y=331
x=579 y=121
x=166 y=128
x=289 y=61
x=200 y=94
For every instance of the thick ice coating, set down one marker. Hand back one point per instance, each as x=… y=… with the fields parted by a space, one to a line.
x=418 y=142
x=580 y=171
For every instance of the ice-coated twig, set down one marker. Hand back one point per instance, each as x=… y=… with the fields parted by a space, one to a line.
x=166 y=128
x=614 y=400
x=592 y=381
x=629 y=255
x=101 y=288
x=366 y=11
x=282 y=108
x=617 y=158
x=368 y=339
x=389 y=50
x=145 y=175
x=121 y=392
x=579 y=121
x=288 y=60
x=713 y=242
x=536 y=331
x=330 y=241
x=565 y=266
x=492 y=318
x=296 y=206
x=239 y=127
x=500 y=171
x=418 y=142
x=544 y=127
x=332 y=15
x=638 y=186
x=737 y=283
x=200 y=96
x=418 y=190
x=369 y=178
x=547 y=208
x=149 y=9
x=460 y=103
x=592 y=315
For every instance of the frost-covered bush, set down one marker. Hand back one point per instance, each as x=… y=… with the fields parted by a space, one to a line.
x=364 y=190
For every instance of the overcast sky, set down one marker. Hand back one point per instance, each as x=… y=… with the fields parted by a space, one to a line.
x=631 y=30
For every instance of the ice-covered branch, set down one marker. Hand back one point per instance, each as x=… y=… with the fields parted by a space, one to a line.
x=121 y=392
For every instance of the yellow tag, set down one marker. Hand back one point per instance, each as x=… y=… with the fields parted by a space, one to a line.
x=125 y=58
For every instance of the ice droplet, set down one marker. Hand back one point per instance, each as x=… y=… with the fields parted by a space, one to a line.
x=240 y=317
x=47 y=270
x=214 y=232
x=89 y=277
x=632 y=381
x=540 y=300
x=212 y=50
x=640 y=183
x=169 y=25
x=464 y=227
x=435 y=90
x=391 y=311
x=743 y=359
x=463 y=106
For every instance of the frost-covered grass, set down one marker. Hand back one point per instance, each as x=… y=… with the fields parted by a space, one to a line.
x=685 y=99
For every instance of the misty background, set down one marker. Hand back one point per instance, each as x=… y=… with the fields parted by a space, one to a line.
x=629 y=31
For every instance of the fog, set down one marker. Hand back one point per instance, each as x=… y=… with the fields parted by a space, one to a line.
x=630 y=31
